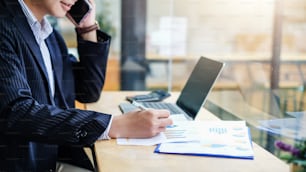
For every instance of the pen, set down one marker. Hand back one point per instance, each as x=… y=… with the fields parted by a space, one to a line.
x=140 y=106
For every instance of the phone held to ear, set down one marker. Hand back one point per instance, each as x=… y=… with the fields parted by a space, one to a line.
x=79 y=11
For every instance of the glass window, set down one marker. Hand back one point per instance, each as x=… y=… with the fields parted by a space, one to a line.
x=155 y=44
x=178 y=32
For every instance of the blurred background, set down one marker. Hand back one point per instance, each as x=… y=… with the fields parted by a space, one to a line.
x=155 y=43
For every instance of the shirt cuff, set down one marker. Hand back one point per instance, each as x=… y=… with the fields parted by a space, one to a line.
x=104 y=135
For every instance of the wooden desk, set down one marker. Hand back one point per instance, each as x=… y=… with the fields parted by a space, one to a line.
x=116 y=158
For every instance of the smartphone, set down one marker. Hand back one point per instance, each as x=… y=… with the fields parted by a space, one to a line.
x=153 y=96
x=79 y=11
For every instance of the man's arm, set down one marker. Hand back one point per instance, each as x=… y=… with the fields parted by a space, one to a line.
x=90 y=70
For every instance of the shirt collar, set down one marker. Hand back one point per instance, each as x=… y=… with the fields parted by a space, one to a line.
x=43 y=29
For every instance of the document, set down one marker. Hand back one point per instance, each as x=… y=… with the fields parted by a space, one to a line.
x=180 y=131
x=177 y=132
x=201 y=138
x=142 y=142
x=219 y=139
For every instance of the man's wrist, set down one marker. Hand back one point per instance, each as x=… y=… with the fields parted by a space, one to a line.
x=83 y=30
x=105 y=134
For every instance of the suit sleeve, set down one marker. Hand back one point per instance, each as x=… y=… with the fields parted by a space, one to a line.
x=23 y=117
x=91 y=69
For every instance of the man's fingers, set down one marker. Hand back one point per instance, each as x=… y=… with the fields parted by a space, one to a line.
x=164 y=122
x=162 y=113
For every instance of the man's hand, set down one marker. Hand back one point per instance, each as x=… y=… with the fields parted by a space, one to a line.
x=88 y=22
x=90 y=19
x=140 y=124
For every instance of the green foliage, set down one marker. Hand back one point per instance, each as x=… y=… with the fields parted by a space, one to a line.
x=105 y=23
x=293 y=153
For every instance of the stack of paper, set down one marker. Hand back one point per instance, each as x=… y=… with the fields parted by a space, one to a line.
x=202 y=138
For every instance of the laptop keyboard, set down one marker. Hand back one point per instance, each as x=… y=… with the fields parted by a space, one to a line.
x=157 y=105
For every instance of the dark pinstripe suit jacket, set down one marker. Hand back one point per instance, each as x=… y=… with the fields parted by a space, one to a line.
x=36 y=129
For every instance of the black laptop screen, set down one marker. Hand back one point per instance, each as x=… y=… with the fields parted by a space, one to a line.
x=198 y=85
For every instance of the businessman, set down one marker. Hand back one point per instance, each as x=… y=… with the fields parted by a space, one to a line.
x=39 y=83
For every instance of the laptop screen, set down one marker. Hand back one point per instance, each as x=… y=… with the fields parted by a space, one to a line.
x=198 y=85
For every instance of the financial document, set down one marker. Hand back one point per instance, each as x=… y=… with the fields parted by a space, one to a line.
x=219 y=139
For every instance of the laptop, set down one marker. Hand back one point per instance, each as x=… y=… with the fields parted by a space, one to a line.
x=194 y=92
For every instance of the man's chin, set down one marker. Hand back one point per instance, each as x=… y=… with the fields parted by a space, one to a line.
x=59 y=13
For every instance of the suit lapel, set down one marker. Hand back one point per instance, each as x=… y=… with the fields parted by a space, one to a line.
x=57 y=68
x=22 y=24
x=30 y=40
x=25 y=31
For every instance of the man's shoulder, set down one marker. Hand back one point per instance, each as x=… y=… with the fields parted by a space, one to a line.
x=10 y=16
x=9 y=31
x=5 y=14
x=6 y=5
x=6 y=23
x=10 y=9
